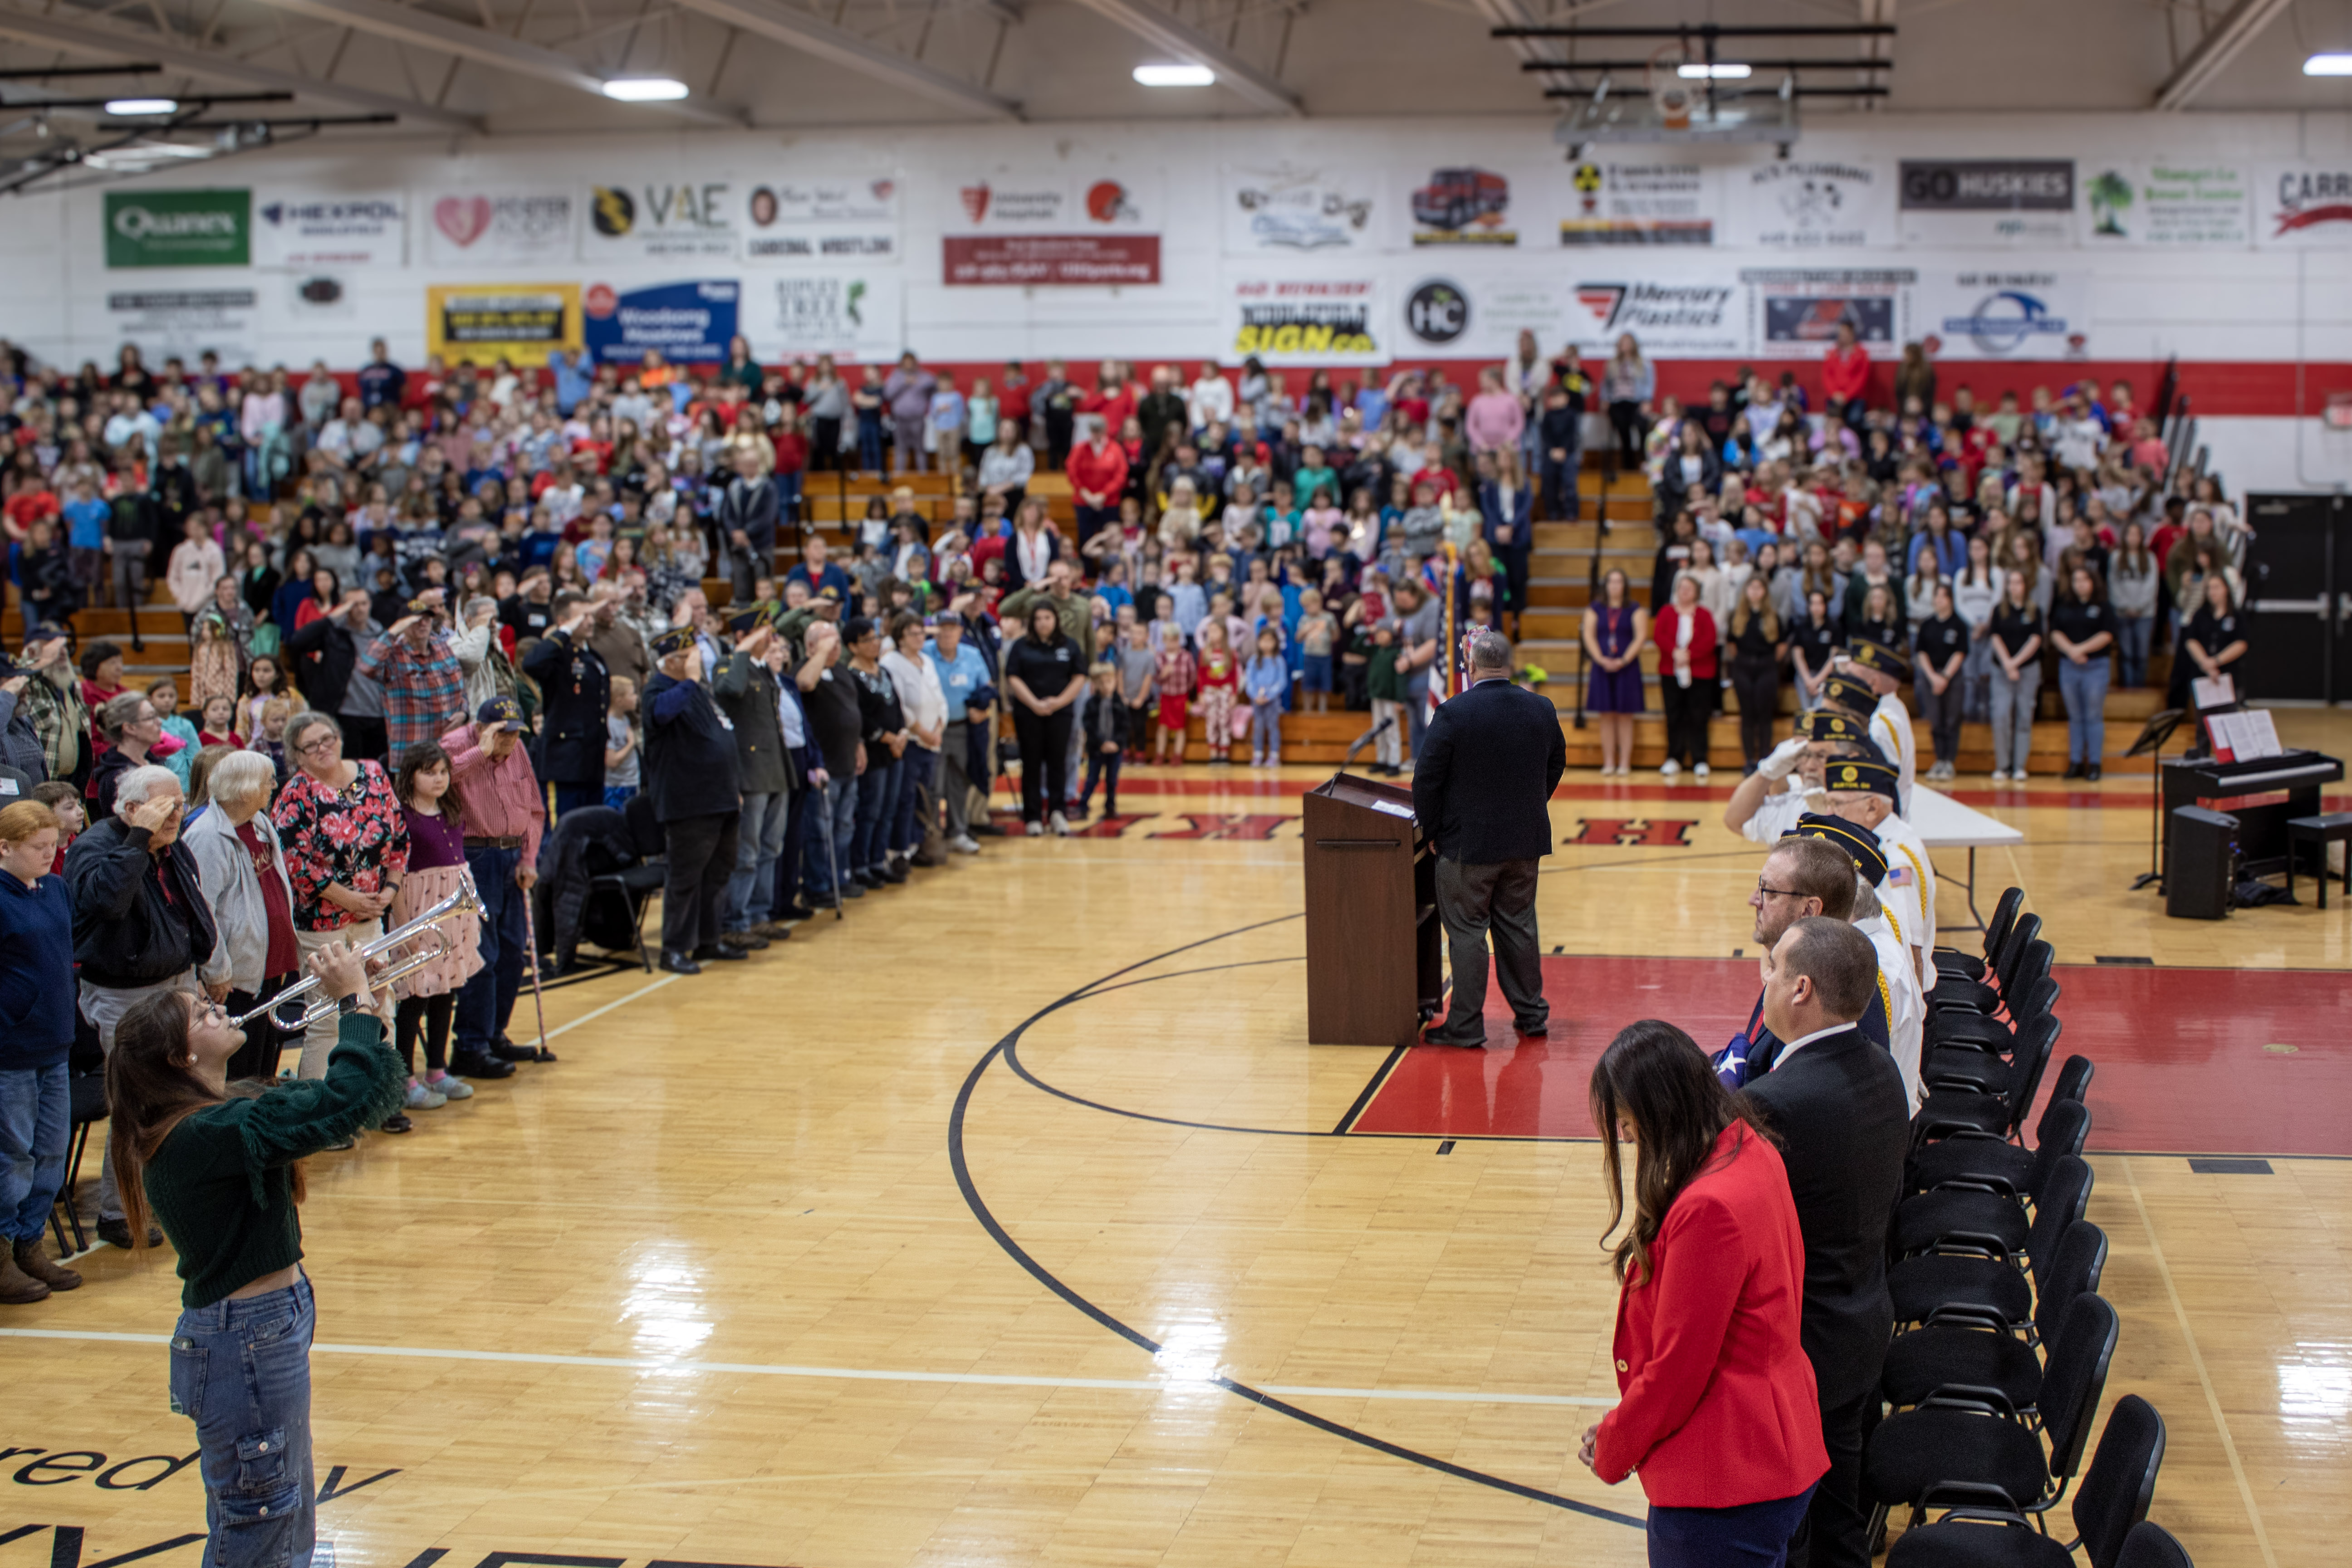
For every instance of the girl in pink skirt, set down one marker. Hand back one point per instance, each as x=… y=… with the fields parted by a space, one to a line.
x=437 y=862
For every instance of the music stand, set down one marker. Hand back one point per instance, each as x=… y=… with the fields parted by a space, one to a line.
x=2149 y=744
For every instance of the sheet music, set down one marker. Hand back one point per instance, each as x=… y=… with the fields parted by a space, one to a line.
x=1394 y=809
x=2212 y=691
x=2221 y=728
x=2256 y=735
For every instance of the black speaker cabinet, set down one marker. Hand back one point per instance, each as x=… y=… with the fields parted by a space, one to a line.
x=2202 y=864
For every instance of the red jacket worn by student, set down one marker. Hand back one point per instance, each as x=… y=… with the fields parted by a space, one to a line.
x=1719 y=1409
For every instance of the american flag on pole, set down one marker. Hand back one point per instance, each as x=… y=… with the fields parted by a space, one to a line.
x=1440 y=573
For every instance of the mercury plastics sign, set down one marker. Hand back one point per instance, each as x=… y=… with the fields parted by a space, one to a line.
x=179 y=228
x=1701 y=317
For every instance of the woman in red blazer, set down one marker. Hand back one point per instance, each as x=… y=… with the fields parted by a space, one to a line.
x=1720 y=1412
x=1688 y=683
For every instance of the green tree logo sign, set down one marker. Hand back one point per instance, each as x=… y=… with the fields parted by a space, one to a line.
x=2111 y=198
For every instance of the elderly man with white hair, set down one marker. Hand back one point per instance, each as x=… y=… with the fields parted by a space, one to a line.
x=140 y=921
x=242 y=868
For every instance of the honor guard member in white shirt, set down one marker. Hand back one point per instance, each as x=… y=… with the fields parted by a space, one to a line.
x=1898 y=1018
x=1906 y=1009
x=1881 y=668
x=1761 y=810
x=1861 y=790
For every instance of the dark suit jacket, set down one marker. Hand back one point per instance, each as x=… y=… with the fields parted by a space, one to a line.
x=1838 y=1109
x=1486 y=767
x=1490 y=506
x=575 y=690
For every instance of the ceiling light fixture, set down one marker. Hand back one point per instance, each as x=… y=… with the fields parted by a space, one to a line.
x=1176 y=76
x=2335 y=64
x=125 y=107
x=1700 y=71
x=644 y=89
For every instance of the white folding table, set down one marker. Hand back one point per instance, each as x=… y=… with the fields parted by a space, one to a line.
x=1942 y=823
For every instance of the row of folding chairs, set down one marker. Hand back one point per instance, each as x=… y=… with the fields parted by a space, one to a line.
x=2002 y=1342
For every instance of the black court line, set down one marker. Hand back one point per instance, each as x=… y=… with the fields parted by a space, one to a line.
x=1046 y=1277
x=1371 y=1087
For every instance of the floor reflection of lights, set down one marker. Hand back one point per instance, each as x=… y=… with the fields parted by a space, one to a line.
x=2314 y=1384
x=665 y=1310
x=1191 y=1357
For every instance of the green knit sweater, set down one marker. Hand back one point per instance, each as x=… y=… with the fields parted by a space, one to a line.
x=223 y=1187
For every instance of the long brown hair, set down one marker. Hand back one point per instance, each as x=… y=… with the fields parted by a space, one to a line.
x=416 y=760
x=150 y=1090
x=1656 y=1076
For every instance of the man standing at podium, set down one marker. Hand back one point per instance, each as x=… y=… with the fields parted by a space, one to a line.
x=1486 y=769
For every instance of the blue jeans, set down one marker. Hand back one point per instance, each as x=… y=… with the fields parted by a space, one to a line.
x=2084 y=689
x=830 y=823
x=241 y=1371
x=619 y=795
x=752 y=889
x=487 y=1001
x=869 y=439
x=1101 y=767
x=570 y=797
x=1265 y=730
x=36 y=1113
x=2134 y=633
x=919 y=771
x=788 y=495
x=877 y=798
x=1755 y=1535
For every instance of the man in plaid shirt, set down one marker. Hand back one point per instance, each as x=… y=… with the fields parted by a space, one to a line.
x=424 y=684
x=51 y=698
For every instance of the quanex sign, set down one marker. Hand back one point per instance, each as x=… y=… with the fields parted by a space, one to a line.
x=179 y=228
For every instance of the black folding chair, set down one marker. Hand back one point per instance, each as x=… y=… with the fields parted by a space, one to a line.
x=88 y=1093
x=1971 y=966
x=1960 y=995
x=2110 y=1513
x=1959 y=1348
x=1991 y=1212
x=1972 y=1159
x=1989 y=1282
x=1958 y=1108
x=1986 y=1040
x=1959 y=1448
x=634 y=886
x=2150 y=1546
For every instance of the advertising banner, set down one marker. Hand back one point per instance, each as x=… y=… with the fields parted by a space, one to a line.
x=821 y=220
x=362 y=229
x=1051 y=260
x=1464 y=205
x=1682 y=312
x=2156 y=204
x=1322 y=320
x=1642 y=204
x=1056 y=229
x=848 y=314
x=1291 y=210
x=499 y=228
x=687 y=323
x=2304 y=205
x=1812 y=204
x=1998 y=313
x=659 y=220
x=1988 y=201
x=187 y=322
x=1480 y=315
x=521 y=322
x=179 y=228
x=316 y=296
x=1795 y=312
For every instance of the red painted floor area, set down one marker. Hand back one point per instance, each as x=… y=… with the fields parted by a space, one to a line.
x=2188 y=1060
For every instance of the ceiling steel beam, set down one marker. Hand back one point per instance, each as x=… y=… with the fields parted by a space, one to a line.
x=425 y=30
x=1149 y=22
x=797 y=29
x=2222 y=43
x=93 y=36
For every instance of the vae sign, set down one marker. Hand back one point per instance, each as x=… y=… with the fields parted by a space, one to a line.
x=179 y=228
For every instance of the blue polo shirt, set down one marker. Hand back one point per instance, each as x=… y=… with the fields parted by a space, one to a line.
x=86 y=523
x=960 y=676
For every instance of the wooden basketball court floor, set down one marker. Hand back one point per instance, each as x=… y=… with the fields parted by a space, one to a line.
x=1010 y=1221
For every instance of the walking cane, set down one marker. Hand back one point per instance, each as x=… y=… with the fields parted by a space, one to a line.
x=832 y=861
x=538 y=998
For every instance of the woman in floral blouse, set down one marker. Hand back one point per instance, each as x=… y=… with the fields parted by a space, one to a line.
x=346 y=852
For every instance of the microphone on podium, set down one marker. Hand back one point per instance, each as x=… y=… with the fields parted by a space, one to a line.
x=1365 y=739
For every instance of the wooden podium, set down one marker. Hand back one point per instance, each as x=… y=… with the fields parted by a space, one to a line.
x=1372 y=931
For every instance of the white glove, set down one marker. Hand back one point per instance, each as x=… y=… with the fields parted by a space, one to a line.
x=1783 y=760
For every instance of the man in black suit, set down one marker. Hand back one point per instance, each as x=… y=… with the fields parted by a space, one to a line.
x=748 y=510
x=577 y=690
x=1481 y=781
x=1837 y=1104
